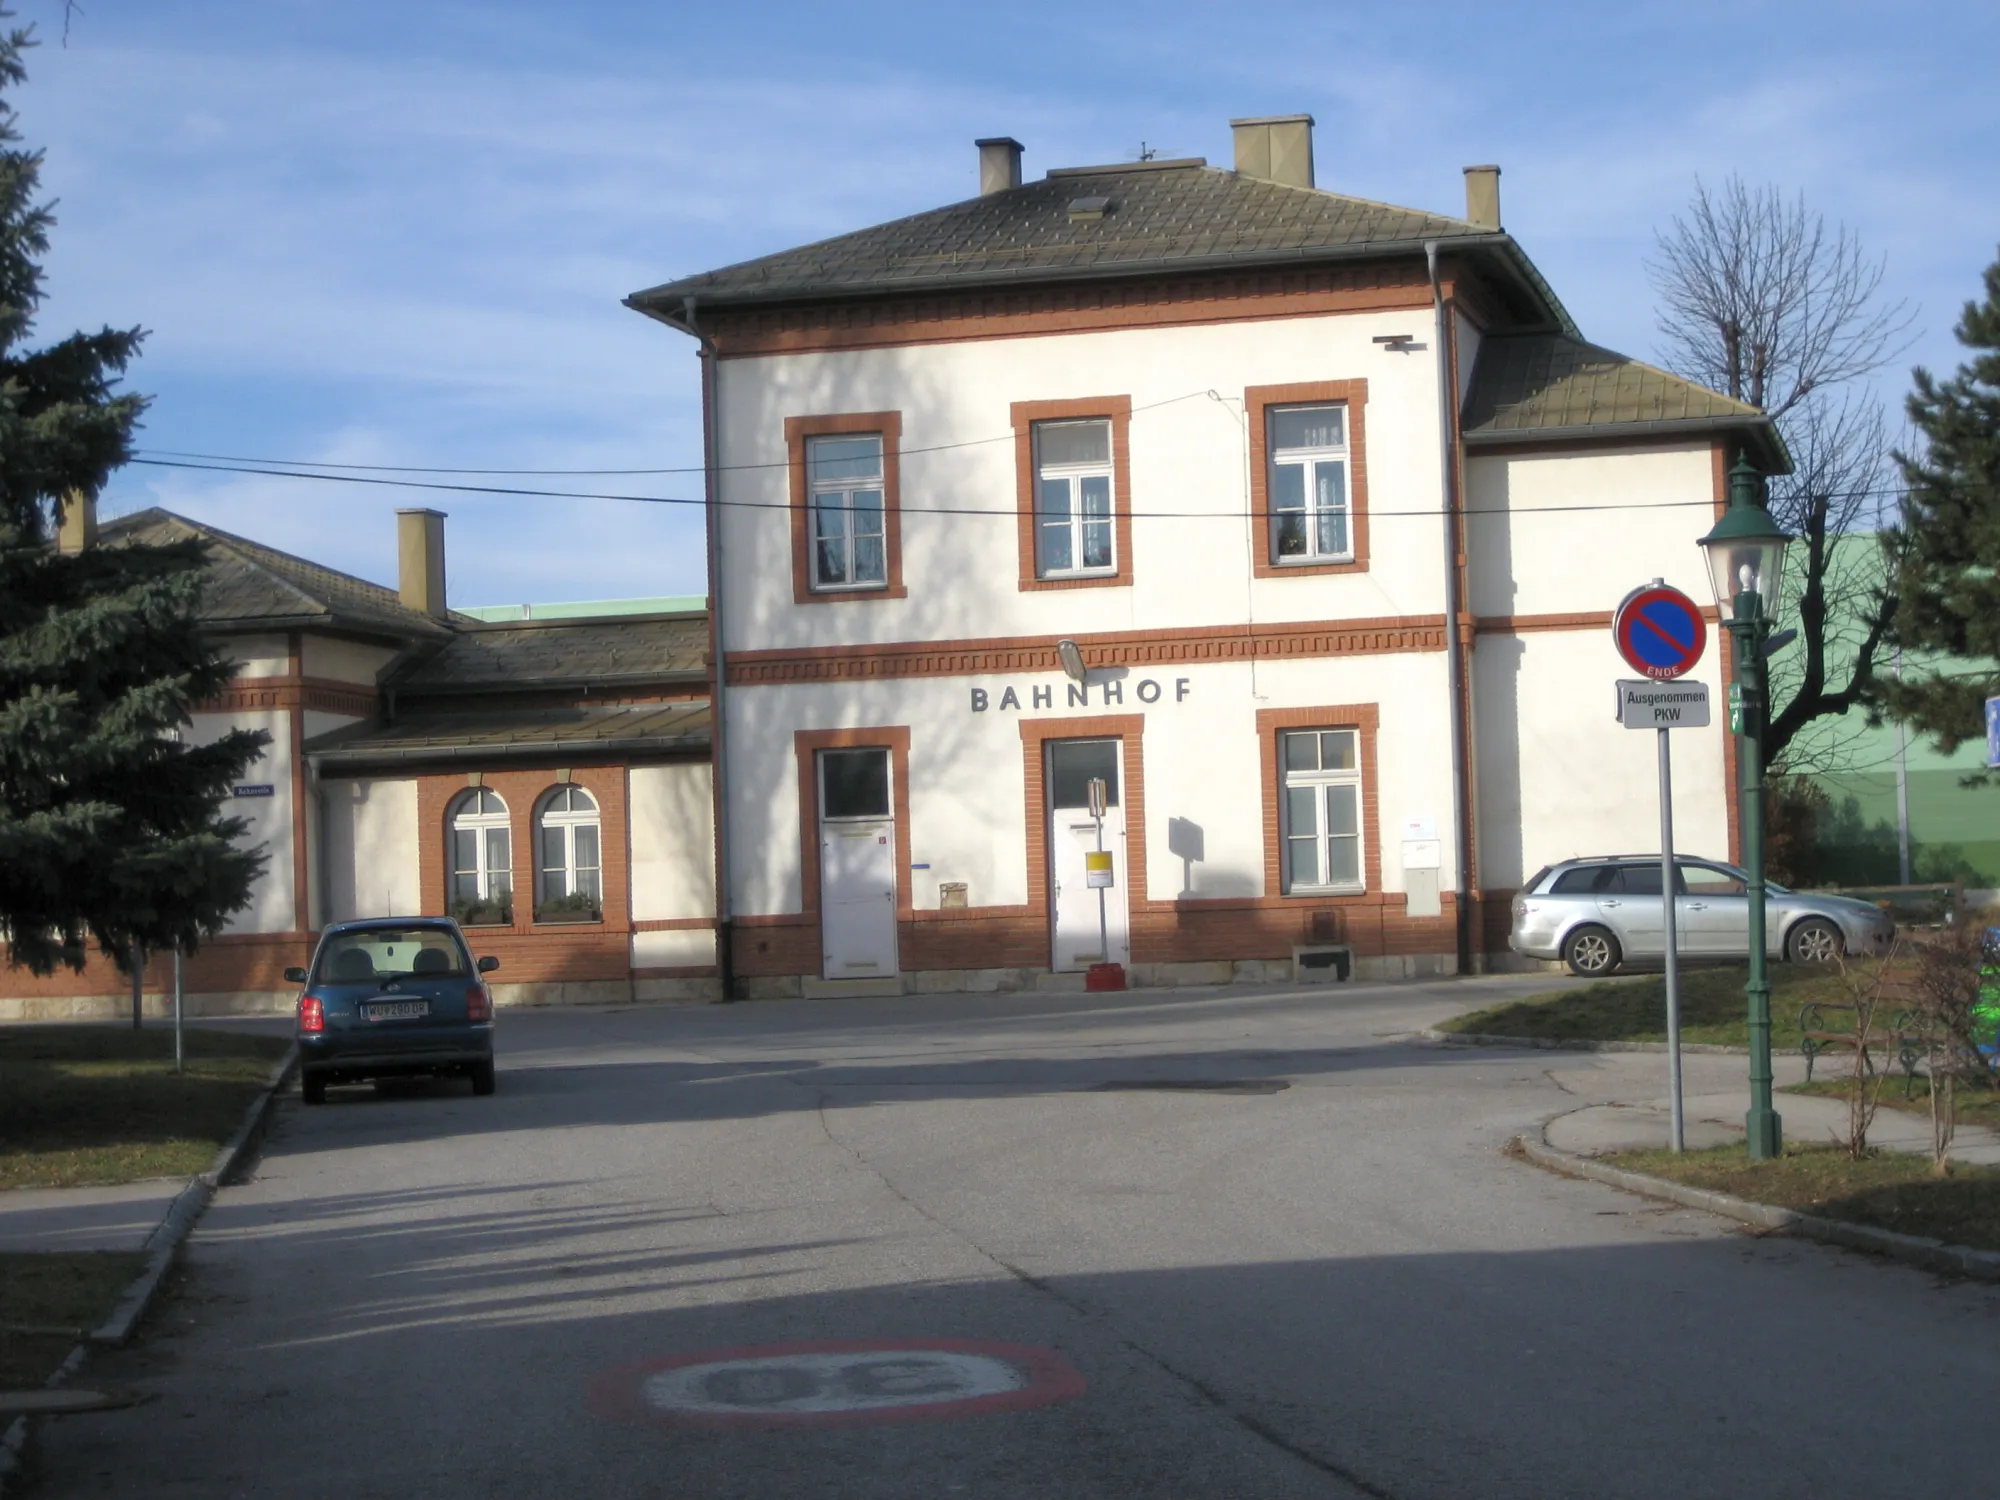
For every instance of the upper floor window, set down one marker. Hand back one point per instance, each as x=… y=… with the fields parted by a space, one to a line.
x=849 y=534
x=1073 y=499
x=569 y=872
x=482 y=858
x=1311 y=513
x=1321 y=809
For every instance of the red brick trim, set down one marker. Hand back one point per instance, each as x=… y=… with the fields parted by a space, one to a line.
x=797 y=430
x=1257 y=399
x=1366 y=717
x=673 y=924
x=1035 y=735
x=806 y=743
x=1023 y=312
x=1195 y=646
x=1024 y=415
x=275 y=694
x=522 y=790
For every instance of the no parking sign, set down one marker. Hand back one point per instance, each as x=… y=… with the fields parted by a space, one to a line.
x=1660 y=632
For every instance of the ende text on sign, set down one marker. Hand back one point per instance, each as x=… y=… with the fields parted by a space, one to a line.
x=1147 y=690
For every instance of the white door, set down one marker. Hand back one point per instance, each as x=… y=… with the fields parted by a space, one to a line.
x=1077 y=936
x=857 y=865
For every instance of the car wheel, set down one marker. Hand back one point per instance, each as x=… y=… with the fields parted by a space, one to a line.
x=1814 y=941
x=312 y=1088
x=1591 y=952
x=482 y=1077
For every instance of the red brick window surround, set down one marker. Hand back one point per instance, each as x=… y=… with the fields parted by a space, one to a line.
x=1258 y=400
x=1272 y=723
x=1117 y=410
x=798 y=434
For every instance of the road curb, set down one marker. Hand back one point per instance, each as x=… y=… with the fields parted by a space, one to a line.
x=1916 y=1250
x=1567 y=1044
x=161 y=1247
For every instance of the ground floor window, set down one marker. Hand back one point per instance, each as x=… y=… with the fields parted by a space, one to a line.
x=481 y=846
x=1321 y=809
x=569 y=872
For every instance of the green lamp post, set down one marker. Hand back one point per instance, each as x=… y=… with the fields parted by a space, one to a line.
x=1746 y=563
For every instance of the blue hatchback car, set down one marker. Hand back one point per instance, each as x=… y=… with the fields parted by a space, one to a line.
x=393 y=997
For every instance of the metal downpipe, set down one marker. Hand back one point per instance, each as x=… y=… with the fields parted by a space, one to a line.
x=1461 y=757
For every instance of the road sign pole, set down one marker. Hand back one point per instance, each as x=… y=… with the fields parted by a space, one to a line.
x=1667 y=884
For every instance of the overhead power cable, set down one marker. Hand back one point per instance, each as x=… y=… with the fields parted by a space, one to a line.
x=1372 y=512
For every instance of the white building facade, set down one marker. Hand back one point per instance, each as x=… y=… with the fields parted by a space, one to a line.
x=1333 y=504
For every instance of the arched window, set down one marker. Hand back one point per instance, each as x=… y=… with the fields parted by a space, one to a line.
x=481 y=849
x=569 y=874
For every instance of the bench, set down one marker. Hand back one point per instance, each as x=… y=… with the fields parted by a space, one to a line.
x=1907 y=1035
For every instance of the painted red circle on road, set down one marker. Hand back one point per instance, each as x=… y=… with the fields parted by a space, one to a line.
x=835 y=1383
x=1660 y=632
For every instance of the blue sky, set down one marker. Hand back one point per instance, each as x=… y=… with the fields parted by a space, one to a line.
x=399 y=233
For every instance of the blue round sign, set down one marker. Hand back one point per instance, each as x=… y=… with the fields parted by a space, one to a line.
x=1660 y=631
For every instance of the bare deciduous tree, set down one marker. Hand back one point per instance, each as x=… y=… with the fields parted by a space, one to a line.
x=1759 y=299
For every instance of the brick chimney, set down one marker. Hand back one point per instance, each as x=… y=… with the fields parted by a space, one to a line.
x=1482 y=195
x=999 y=164
x=420 y=561
x=1275 y=148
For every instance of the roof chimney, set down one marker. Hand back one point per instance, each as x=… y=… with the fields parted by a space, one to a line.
x=76 y=526
x=420 y=561
x=999 y=164
x=1482 y=195
x=1276 y=148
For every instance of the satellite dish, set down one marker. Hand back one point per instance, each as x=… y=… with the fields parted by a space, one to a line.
x=1072 y=660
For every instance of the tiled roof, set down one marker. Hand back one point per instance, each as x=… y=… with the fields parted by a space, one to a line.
x=1549 y=386
x=622 y=729
x=251 y=586
x=556 y=653
x=1162 y=216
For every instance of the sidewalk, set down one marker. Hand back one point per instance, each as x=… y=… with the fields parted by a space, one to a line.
x=1623 y=1105
x=121 y=1217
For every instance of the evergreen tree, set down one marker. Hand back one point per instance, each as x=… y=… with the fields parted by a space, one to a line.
x=1948 y=579
x=110 y=824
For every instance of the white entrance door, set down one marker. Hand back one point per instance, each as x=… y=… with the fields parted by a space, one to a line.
x=1076 y=937
x=857 y=865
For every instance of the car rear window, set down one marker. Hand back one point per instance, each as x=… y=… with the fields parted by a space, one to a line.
x=390 y=953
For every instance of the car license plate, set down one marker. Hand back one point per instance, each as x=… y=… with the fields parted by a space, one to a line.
x=396 y=1010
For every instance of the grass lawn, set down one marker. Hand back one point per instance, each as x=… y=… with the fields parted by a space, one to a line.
x=46 y=1299
x=1635 y=1009
x=1890 y=1190
x=1976 y=1106
x=102 y=1103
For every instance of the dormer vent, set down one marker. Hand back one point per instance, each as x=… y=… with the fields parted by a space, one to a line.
x=1081 y=209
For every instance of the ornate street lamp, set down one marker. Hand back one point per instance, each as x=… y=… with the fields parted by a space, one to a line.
x=1746 y=564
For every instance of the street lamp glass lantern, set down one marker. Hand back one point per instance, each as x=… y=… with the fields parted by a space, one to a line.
x=1746 y=550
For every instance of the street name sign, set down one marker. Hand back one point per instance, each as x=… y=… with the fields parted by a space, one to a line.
x=1663 y=705
x=1660 y=632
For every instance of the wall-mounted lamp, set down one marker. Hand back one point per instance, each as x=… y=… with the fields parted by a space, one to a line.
x=1072 y=660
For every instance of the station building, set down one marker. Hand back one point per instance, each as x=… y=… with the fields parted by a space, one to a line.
x=1332 y=501
x=1294 y=519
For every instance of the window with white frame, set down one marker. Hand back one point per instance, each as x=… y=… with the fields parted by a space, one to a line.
x=569 y=873
x=849 y=542
x=482 y=858
x=1322 y=809
x=1312 y=516
x=1073 y=499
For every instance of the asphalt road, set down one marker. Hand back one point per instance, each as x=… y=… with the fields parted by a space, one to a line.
x=1324 y=1280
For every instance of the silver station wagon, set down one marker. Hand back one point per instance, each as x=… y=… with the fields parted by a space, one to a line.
x=1595 y=914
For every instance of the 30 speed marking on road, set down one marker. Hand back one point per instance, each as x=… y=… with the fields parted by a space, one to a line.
x=836 y=1383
